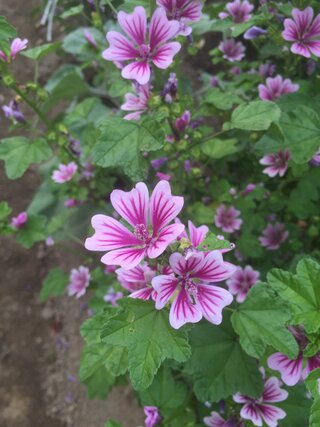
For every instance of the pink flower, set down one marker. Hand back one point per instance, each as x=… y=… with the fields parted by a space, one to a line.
x=90 y=39
x=79 y=281
x=267 y=70
x=304 y=32
x=160 y=161
x=153 y=417
x=315 y=161
x=291 y=370
x=138 y=281
x=276 y=87
x=138 y=103
x=242 y=281
x=194 y=239
x=70 y=203
x=260 y=410
x=232 y=50
x=184 y=11
x=19 y=221
x=128 y=248
x=17 y=45
x=273 y=236
x=64 y=173
x=215 y=420
x=238 y=10
x=163 y=176
x=277 y=163
x=227 y=219
x=143 y=49
x=182 y=122
x=192 y=298
x=112 y=297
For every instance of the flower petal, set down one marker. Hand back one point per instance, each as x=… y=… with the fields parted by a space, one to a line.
x=166 y=236
x=302 y=18
x=127 y=258
x=215 y=420
x=290 y=370
x=213 y=268
x=184 y=311
x=139 y=71
x=272 y=391
x=212 y=300
x=163 y=57
x=165 y=286
x=197 y=234
x=271 y=414
x=161 y=29
x=300 y=49
x=250 y=412
x=120 y=48
x=314 y=46
x=144 y=293
x=109 y=234
x=132 y=205
x=163 y=206
x=134 y=24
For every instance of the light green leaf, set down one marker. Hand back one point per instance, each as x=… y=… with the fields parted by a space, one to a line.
x=219 y=366
x=33 y=231
x=222 y=100
x=112 y=423
x=211 y=243
x=19 y=153
x=302 y=291
x=149 y=338
x=39 y=52
x=121 y=143
x=5 y=210
x=261 y=320
x=257 y=115
x=72 y=11
x=313 y=385
x=218 y=148
x=54 y=284
x=76 y=43
x=7 y=31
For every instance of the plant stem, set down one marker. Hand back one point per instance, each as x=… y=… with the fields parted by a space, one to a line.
x=152 y=5
x=32 y=105
x=109 y=3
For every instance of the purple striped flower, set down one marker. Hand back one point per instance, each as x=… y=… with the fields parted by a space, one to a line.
x=193 y=297
x=227 y=219
x=277 y=163
x=184 y=11
x=242 y=281
x=260 y=410
x=152 y=414
x=79 y=281
x=232 y=50
x=273 y=236
x=215 y=420
x=238 y=10
x=144 y=45
x=137 y=103
x=138 y=281
x=17 y=45
x=128 y=248
x=276 y=87
x=304 y=32
x=64 y=173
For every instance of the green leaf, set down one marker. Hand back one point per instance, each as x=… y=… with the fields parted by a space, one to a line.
x=112 y=423
x=7 y=31
x=76 y=43
x=297 y=407
x=5 y=210
x=219 y=366
x=218 y=148
x=257 y=115
x=122 y=141
x=19 y=153
x=222 y=100
x=72 y=11
x=33 y=231
x=54 y=284
x=302 y=291
x=149 y=338
x=262 y=320
x=165 y=392
x=211 y=243
x=39 y=52
x=312 y=383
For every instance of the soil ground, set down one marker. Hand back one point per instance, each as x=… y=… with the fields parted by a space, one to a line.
x=40 y=344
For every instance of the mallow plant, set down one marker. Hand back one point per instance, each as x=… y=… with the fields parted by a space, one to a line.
x=179 y=141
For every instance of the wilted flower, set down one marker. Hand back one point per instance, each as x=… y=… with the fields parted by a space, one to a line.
x=249 y=188
x=138 y=103
x=20 y=220
x=12 y=111
x=232 y=50
x=79 y=281
x=112 y=297
x=17 y=45
x=304 y=32
x=153 y=417
x=182 y=122
x=160 y=161
x=70 y=203
x=142 y=48
x=277 y=163
x=184 y=11
x=254 y=32
x=128 y=248
x=242 y=281
x=238 y=10
x=259 y=410
x=273 y=236
x=163 y=176
x=64 y=173
x=170 y=89
x=227 y=219
x=276 y=87
x=90 y=39
x=192 y=297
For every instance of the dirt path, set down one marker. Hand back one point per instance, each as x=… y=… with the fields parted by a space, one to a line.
x=39 y=343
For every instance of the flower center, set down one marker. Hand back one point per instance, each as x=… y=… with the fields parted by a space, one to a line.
x=142 y=233
x=192 y=289
x=144 y=51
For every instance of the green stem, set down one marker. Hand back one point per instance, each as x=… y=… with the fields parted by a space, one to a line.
x=153 y=6
x=32 y=105
x=100 y=23
x=109 y=3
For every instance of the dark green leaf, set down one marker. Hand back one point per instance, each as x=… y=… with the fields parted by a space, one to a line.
x=297 y=407
x=218 y=148
x=257 y=115
x=39 y=52
x=5 y=210
x=7 y=31
x=33 y=231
